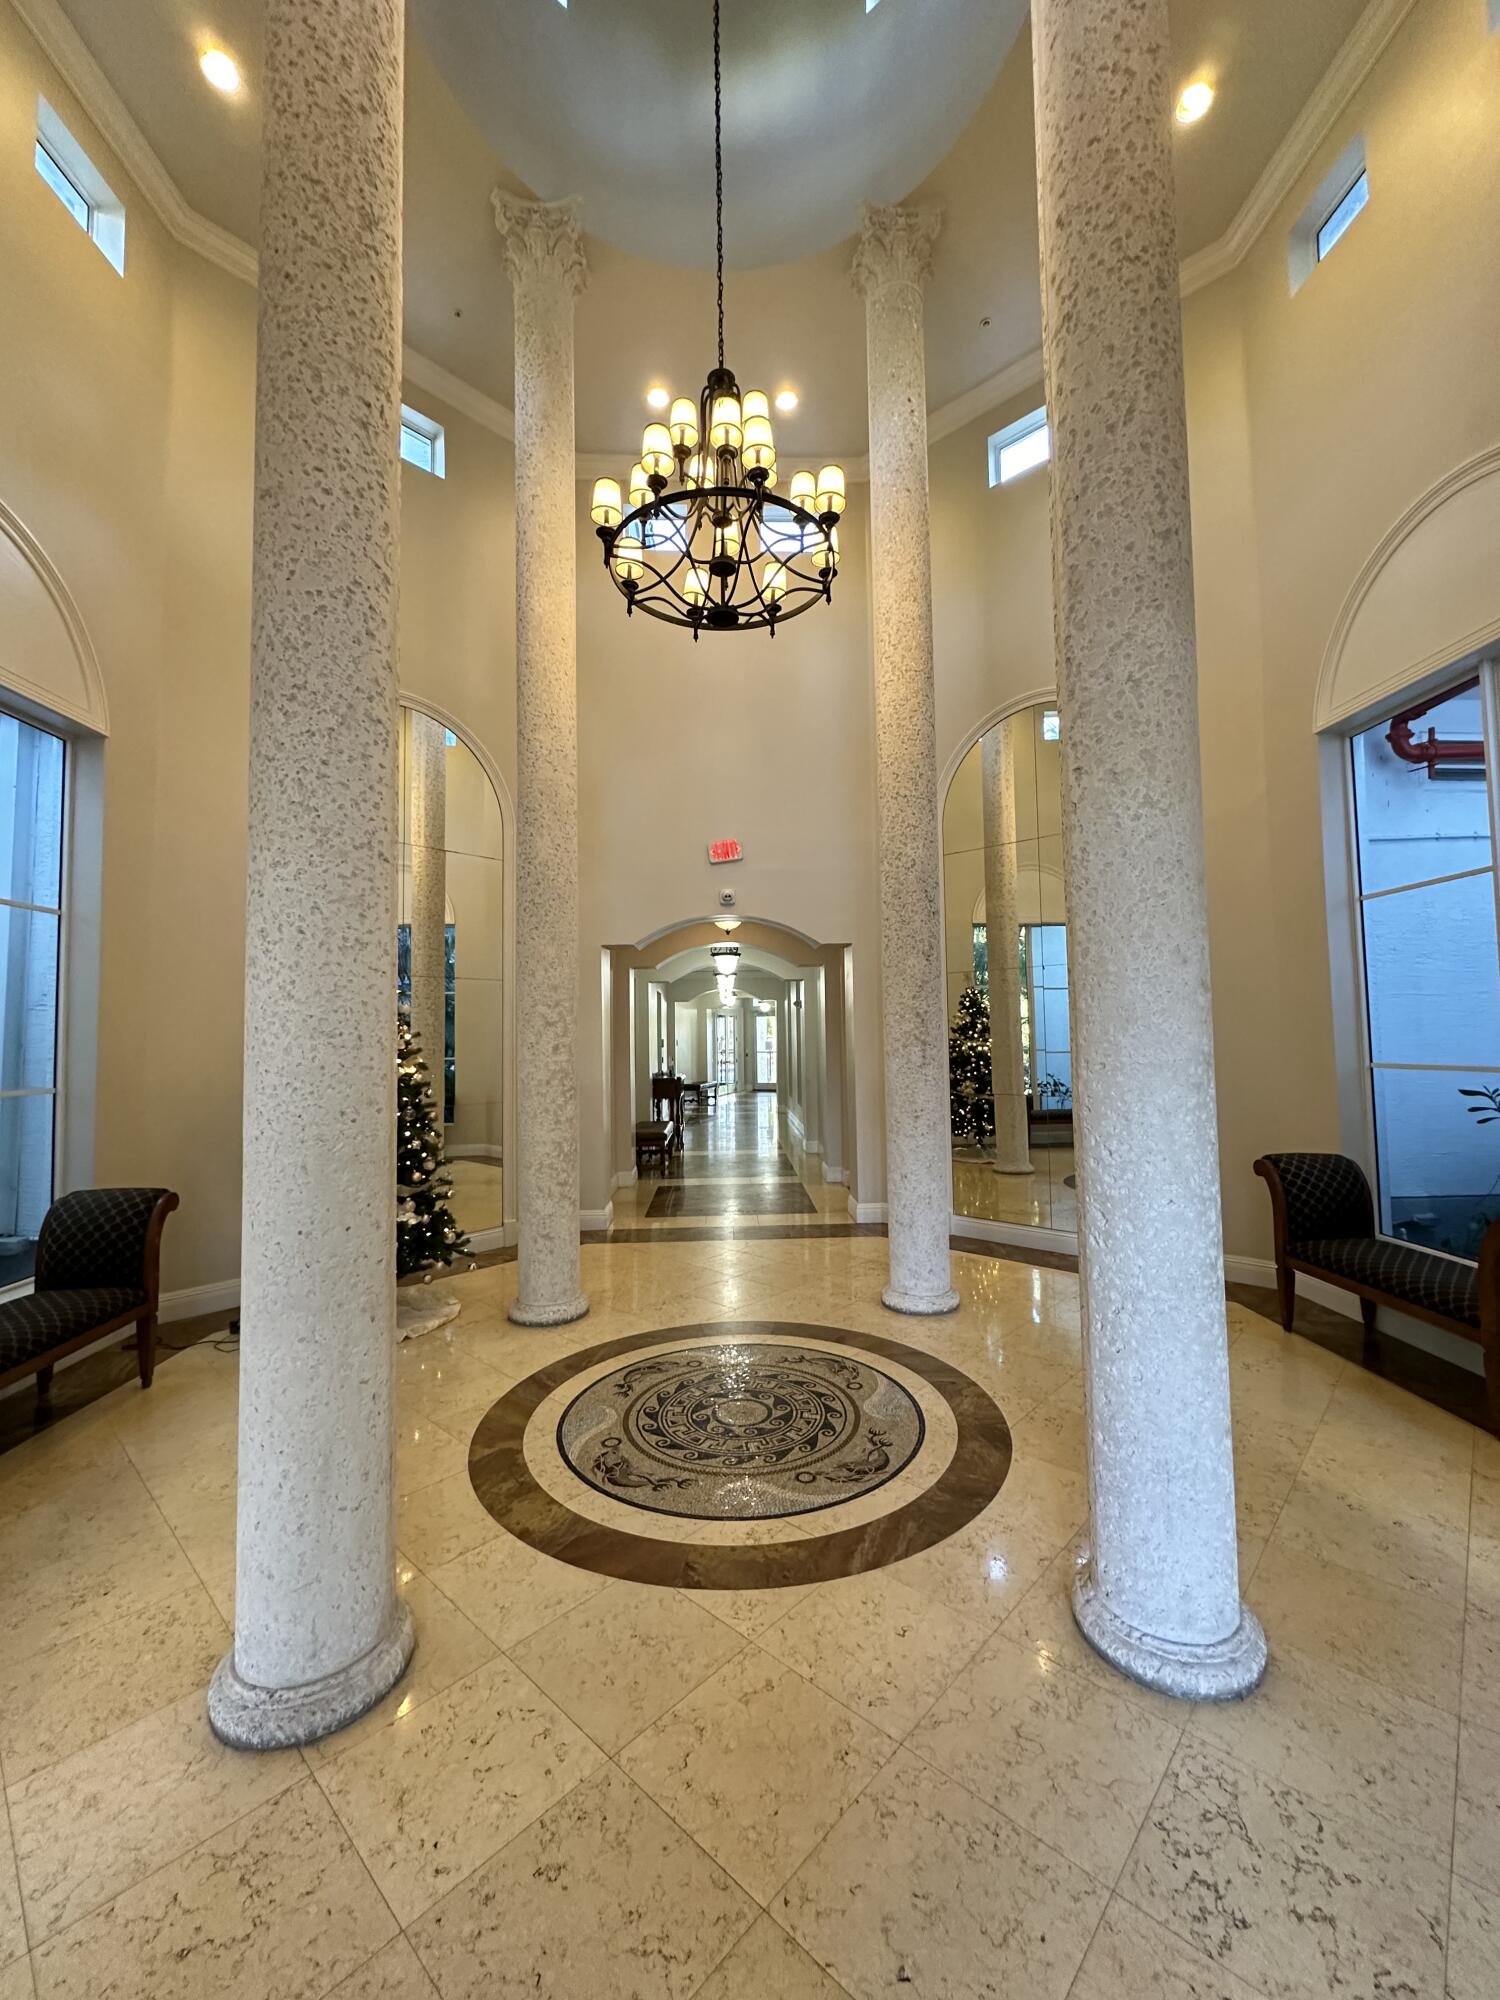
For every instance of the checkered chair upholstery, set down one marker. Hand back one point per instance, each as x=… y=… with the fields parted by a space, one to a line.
x=1411 y=1275
x=96 y=1266
x=96 y=1237
x=1327 y=1196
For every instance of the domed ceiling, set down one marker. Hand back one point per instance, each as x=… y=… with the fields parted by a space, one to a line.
x=826 y=105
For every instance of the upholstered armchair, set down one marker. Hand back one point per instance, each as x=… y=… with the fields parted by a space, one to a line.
x=97 y=1272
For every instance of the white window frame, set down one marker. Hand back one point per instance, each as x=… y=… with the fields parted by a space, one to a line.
x=105 y=227
x=432 y=434
x=1004 y=443
x=1303 y=254
x=1354 y=1056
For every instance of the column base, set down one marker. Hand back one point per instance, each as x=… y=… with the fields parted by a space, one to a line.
x=548 y=1315
x=1225 y=1671
x=919 y=1305
x=256 y=1718
x=996 y=1168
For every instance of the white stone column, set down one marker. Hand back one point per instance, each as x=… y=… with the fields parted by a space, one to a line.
x=890 y=269
x=1002 y=925
x=320 y=1634
x=544 y=255
x=1160 y=1597
x=427 y=794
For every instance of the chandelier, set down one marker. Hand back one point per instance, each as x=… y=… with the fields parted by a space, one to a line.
x=725 y=959
x=700 y=537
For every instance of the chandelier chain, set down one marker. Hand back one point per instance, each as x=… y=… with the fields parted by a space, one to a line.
x=719 y=171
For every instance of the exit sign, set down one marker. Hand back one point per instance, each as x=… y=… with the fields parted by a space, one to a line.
x=724 y=850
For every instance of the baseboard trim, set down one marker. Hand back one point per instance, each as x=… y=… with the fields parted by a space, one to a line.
x=501 y=1237
x=474 y=1153
x=592 y=1220
x=866 y=1211
x=627 y=1177
x=1464 y=1354
x=1020 y=1234
x=193 y=1300
x=835 y=1176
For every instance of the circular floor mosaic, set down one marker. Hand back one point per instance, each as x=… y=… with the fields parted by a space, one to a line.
x=765 y=1393
x=735 y=1432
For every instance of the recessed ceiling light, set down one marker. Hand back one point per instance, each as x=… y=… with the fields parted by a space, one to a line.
x=786 y=401
x=222 y=71
x=1194 y=102
x=658 y=398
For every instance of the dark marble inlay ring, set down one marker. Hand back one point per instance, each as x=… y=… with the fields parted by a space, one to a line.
x=510 y=1493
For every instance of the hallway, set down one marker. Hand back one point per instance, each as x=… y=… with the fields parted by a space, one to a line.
x=740 y=1168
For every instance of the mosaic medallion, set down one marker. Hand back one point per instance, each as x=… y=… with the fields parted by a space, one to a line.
x=692 y=1425
x=738 y=1432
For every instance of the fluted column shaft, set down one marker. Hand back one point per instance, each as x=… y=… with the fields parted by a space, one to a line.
x=427 y=792
x=1002 y=925
x=1160 y=1597
x=890 y=268
x=544 y=255
x=319 y=1633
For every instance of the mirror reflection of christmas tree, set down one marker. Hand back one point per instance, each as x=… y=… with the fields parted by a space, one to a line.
x=970 y=1088
x=426 y=1232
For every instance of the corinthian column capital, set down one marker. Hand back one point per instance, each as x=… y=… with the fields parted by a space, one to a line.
x=895 y=248
x=541 y=238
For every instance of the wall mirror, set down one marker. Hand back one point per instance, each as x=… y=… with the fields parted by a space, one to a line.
x=1006 y=928
x=449 y=941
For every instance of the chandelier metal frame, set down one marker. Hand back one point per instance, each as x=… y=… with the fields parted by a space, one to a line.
x=707 y=542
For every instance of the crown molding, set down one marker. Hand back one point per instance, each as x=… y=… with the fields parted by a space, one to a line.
x=1026 y=372
x=1372 y=34
x=1367 y=43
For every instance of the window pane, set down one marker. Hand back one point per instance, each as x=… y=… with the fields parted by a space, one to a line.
x=416 y=449
x=1439 y=1155
x=62 y=187
x=28 y=999
x=31 y=813
x=1034 y=449
x=1414 y=825
x=1351 y=205
x=1431 y=974
x=25 y=1180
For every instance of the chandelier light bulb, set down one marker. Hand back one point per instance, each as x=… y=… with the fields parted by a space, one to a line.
x=726 y=424
x=829 y=555
x=727 y=544
x=804 y=492
x=757 y=404
x=640 y=488
x=773 y=584
x=656 y=451
x=683 y=424
x=628 y=563
x=831 y=496
x=760 y=446
x=606 y=510
x=695 y=590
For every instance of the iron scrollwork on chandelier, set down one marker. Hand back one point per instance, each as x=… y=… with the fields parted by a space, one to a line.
x=700 y=537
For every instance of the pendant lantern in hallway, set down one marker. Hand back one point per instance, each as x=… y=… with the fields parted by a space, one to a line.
x=699 y=535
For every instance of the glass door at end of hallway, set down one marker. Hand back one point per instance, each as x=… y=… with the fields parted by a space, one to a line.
x=765 y=1051
x=726 y=1051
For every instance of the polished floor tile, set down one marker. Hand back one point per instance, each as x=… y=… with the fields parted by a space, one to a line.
x=93 y=1825
x=603 y=1895
x=757 y=1766
x=278 y=1904
x=1062 y=1756
x=1297 y=1901
x=623 y=1657
x=1134 y=1958
x=919 y=1779
x=881 y=1649
x=922 y=1888
x=436 y=1793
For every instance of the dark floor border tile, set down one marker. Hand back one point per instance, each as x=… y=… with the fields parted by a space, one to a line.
x=509 y=1492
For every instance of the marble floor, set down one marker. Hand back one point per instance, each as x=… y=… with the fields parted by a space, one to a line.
x=763 y=1779
x=1046 y=1198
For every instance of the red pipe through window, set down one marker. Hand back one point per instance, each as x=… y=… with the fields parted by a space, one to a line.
x=1431 y=751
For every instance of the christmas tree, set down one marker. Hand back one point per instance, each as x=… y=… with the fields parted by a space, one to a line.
x=426 y=1233
x=970 y=1089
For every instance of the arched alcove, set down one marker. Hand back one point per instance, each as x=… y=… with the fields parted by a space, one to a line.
x=46 y=654
x=1429 y=595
